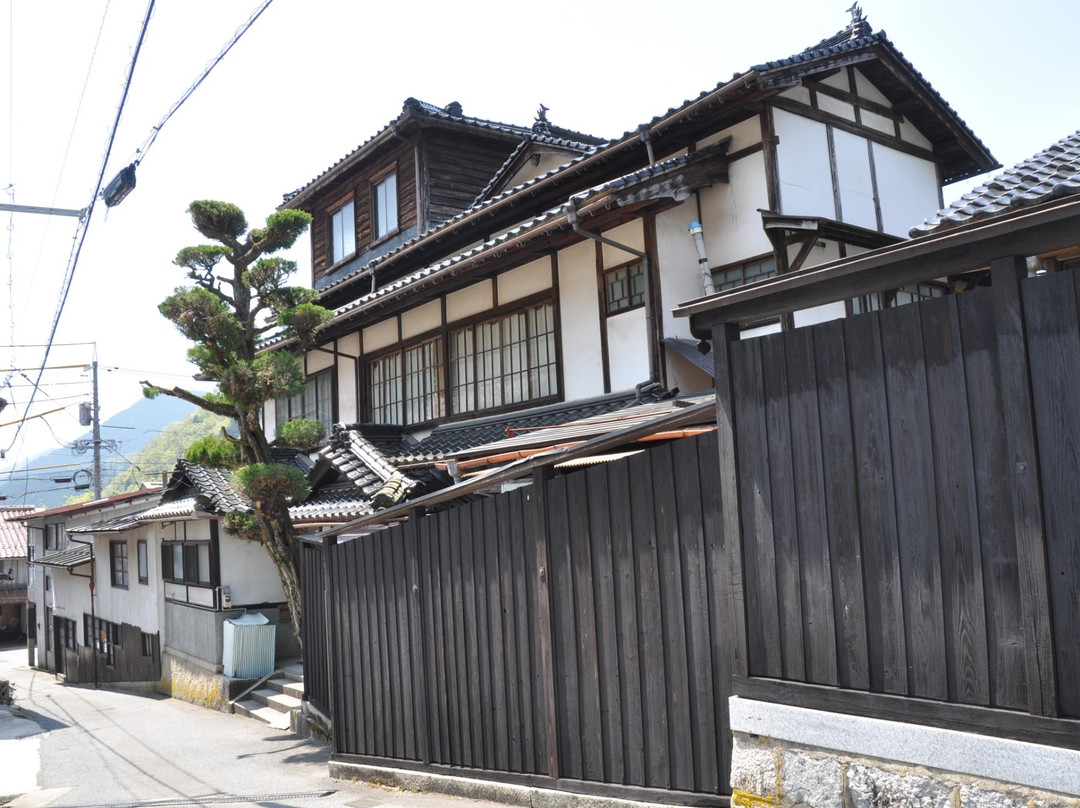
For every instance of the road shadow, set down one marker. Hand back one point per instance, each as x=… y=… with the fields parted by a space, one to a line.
x=47 y=723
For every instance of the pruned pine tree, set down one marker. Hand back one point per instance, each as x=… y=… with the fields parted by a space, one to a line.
x=238 y=294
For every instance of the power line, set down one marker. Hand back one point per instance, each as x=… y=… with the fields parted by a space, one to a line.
x=84 y=224
x=140 y=153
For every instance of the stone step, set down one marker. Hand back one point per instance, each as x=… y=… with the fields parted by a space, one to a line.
x=293 y=671
x=272 y=698
x=260 y=712
x=287 y=686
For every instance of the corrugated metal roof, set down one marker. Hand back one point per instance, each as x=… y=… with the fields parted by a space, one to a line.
x=114 y=525
x=71 y=557
x=595 y=460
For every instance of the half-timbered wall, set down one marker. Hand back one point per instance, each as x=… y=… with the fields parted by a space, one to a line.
x=565 y=628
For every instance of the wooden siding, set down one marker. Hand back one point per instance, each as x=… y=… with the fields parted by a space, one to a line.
x=883 y=461
x=446 y=666
x=129 y=666
x=357 y=186
x=458 y=168
x=316 y=661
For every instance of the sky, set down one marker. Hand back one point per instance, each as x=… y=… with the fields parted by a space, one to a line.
x=312 y=79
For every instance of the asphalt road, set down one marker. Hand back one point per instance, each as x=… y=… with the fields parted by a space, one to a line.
x=73 y=745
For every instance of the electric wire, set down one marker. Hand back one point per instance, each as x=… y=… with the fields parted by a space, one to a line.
x=140 y=153
x=84 y=223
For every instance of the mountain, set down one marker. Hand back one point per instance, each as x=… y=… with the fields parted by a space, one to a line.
x=132 y=429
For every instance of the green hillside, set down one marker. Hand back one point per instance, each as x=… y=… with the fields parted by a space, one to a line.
x=161 y=453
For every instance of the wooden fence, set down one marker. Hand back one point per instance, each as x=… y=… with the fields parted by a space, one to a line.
x=906 y=507
x=562 y=634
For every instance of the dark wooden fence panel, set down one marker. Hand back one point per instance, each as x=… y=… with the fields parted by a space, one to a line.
x=877 y=489
x=438 y=655
x=312 y=589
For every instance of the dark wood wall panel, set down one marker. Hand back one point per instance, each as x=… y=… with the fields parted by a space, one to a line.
x=1050 y=309
x=441 y=662
x=316 y=662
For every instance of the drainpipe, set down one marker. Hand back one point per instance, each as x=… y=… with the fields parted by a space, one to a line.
x=646 y=137
x=703 y=260
x=574 y=218
x=93 y=613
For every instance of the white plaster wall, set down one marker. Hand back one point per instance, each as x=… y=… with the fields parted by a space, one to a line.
x=348 y=404
x=677 y=258
x=579 y=320
x=841 y=109
x=912 y=135
x=628 y=350
x=319 y=360
x=803 y=157
x=743 y=135
x=820 y=314
x=69 y=598
x=837 y=80
x=421 y=319
x=467 y=302
x=729 y=213
x=526 y=280
x=908 y=187
x=879 y=122
x=686 y=375
x=247 y=570
x=137 y=604
x=854 y=178
x=380 y=335
x=798 y=93
x=866 y=89
x=632 y=234
x=548 y=162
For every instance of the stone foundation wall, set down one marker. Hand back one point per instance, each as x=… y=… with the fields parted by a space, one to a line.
x=793 y=757
x=189 y=681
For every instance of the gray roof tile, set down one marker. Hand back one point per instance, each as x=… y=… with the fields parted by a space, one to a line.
x=1052 y=173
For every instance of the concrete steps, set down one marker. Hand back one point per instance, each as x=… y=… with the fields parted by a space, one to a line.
x=275 y=700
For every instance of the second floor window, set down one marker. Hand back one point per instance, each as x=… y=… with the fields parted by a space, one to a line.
x=406 y=387
x=118 y=556
x=54 y=537
x=342 y=232
x=144 y=569
x=624 y=287
x=385 y=207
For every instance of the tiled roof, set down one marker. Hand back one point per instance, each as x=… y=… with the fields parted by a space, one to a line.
x=215 y=485
x=73 y=556
x=531 y=138
x=175 y=509
x=447 y=439
x=13 y=533
x=332 y=504
x=413 y=107
x=1050 y=174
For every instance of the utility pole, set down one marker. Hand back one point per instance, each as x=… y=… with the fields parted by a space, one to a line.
x=97 y=435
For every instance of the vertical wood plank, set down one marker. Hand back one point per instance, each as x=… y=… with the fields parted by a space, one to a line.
x=1006 y=660
x=607 y=637
x=626 y=597
x=819 y=629
x=393 y=597
x=434 y=668
x=564 y=631
x=1028 y=521
x=693 y=566
x=886 y=629
x=588 y=668
x=961 y=553
x=755 y=492
x=461 y=740
x=513 y=674
x=483 y=639
x=496 y=643
x=785 y=527
x=650 y=625
x=473 y=675
x=546 y=679
x=332 y=640
x=841 y=506
x=916 y=510
x=417 y=743
x=527 y=625
x=1053 y=335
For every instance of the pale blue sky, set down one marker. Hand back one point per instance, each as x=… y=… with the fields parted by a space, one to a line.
x=314 y=78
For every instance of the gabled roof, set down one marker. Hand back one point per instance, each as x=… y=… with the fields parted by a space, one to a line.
x=412 y=111
x=961 y=152
x=212 y=487
x=1051 y=174
x=13 y=533
x=533 y=144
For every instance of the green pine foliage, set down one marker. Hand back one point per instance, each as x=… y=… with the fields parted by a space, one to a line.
x=160 y=454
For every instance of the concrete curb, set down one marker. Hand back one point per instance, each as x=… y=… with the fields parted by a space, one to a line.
x=489 y=790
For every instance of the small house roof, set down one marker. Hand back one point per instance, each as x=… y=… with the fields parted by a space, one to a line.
x=1050 y=174
x=73 y=556
x=12 y=532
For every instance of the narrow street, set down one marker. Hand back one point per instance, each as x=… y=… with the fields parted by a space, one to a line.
x=126 y=748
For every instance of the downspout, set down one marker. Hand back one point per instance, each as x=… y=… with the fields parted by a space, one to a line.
x=695 y=231
x=93 y=612
x=574 y=219
x=645 y=133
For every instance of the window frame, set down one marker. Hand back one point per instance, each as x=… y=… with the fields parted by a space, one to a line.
x=628 y=267
x=193 y=553
x=333 y=231
x=285 y=404
x=722 y=285
x=378 y=233
x=443 y=334
x=55 y=536
x=118 y=563
x=142 y=561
